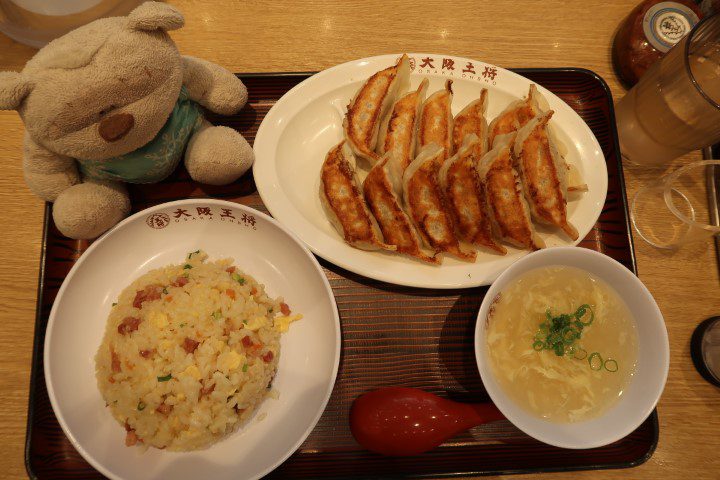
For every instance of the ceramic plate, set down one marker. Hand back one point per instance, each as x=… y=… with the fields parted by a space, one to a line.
x=164 y=235
x=306 y=122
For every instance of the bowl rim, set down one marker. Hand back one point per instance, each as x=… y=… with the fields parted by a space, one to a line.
x=500 y=398
x=142 y=213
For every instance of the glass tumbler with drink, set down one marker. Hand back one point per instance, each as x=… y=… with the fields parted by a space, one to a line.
x=675 y=107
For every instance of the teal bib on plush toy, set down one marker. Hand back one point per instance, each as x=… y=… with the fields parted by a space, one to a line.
x=158 y=158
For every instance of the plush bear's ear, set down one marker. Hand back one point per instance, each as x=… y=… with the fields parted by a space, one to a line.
x=155 y=15
x=13 y=90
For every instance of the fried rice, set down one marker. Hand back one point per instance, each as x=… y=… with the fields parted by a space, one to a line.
x=189 y=352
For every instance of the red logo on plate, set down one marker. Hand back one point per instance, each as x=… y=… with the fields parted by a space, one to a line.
x=448 y=64
x=489 y=72
x=427 y=62
x=157 y=220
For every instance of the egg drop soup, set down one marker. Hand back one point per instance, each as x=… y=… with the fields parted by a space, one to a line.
x=562 y=344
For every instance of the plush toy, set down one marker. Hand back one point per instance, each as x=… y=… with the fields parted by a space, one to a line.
x=113 y=102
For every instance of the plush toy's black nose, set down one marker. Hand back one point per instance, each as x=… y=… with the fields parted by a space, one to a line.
x=116 y=126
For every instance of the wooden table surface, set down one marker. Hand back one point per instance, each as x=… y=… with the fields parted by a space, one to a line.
x=305 y=35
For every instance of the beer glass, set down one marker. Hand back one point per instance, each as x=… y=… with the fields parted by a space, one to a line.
x=675 y=107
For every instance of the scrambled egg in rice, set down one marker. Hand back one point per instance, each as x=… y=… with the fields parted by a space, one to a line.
x=189 y=352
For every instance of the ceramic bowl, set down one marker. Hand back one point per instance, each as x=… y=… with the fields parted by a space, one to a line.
x=646 y=385
x=160 y=236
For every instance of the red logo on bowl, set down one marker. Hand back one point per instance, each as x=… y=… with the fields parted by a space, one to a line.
x=157 y=220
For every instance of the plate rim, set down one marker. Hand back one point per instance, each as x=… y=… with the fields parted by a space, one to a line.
x=266 y=169
x=86 y=254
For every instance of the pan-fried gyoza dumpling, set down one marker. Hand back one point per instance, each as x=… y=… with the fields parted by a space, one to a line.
x=398 y=133
x=425 y=204
x=384 y=204
x=343 y=202
x=510 y=214
x=465 y=196
x=471 y=120
x=370 y=104
x=516 y=115
x=436 y=121
x=543 y=173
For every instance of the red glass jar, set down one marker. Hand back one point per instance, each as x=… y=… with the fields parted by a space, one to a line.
x=651 y=29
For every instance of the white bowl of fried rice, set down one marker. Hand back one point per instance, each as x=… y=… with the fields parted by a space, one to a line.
x=196 y=339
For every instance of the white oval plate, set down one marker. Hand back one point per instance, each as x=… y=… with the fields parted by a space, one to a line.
x=163 y=235
x=306 y=122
